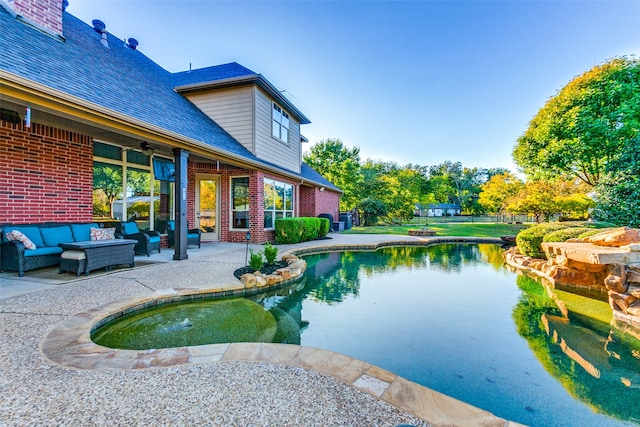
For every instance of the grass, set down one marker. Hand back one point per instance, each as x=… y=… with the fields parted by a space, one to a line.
x=451 y=229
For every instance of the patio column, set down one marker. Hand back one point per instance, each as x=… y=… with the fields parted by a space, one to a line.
x=180 y=236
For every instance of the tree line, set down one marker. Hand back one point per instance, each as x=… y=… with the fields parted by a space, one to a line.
x=580 y=156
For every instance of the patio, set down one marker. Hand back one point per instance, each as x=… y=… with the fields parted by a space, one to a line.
x=240 y=386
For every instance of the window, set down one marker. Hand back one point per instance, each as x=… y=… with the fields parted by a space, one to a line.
x=278 y=201
x=123 y=187
x=280 y=127
x=240 y=202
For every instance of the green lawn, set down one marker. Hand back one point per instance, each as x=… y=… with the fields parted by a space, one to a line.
x=454 y=229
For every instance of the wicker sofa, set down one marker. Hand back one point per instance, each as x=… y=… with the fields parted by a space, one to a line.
x=14 y=256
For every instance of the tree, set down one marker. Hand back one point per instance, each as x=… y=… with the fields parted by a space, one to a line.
x=341 y=166
x=580 y=131
x=618 y=192
x=499 y=191
x=108 y=179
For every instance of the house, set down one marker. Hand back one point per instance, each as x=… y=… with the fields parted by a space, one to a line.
x=443 y=209
x=87 y=119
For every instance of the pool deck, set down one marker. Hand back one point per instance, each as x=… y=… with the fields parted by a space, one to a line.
x=52 y=374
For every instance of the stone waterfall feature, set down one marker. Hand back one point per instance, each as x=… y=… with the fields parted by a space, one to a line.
x=608 y=262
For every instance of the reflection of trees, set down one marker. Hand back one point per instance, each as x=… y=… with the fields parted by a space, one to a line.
x=107 y=179
x=594 y=367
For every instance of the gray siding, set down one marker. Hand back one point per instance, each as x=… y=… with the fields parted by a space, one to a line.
x=232 y=109
x=269 y=148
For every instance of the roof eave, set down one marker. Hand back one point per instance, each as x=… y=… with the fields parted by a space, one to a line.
x=257 y=79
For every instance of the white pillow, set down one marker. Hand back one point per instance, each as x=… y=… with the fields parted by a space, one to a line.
x=19 y=235
x=102 y=233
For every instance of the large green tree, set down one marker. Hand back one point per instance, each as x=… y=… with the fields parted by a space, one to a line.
x=584 y=128
x=340 y=165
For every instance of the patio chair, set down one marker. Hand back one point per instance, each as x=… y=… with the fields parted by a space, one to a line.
x=193 y=234
x=148 y=240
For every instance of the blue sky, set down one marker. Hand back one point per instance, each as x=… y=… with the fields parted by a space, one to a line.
x=417 y=82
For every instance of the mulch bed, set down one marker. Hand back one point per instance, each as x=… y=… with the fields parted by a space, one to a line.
x=266 y=269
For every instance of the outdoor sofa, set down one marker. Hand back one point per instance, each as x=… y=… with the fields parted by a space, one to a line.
x=36 y=245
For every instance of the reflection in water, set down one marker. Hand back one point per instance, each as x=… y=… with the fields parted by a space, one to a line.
x=595 y=363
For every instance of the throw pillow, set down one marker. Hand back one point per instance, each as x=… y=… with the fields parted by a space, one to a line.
x=18 y=235
x=102 y=233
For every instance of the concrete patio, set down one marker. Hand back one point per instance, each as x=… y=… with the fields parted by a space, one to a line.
x=225 y=384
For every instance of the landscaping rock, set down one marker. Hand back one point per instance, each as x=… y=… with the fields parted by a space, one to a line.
x=260 y=280
x=249 y=280
x=289 y=258
x=285 y=273
x=273 y=279
x=621 y=302
x=616 y=279
x=617 y=237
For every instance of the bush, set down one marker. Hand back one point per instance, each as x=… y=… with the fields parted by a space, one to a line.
x=594 y=231
x=566 y=234
x=296 y=230
x=288 y=230
x=325 y=226
x=255 y=260
x=310 y=229
x=529 y=240
x=270 y=253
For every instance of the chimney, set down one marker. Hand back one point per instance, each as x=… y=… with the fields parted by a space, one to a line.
x=46 y=14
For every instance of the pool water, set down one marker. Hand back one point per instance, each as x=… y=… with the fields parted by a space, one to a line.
x=449 y=317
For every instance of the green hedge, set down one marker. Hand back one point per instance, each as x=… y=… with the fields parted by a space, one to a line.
x=593 y=231
x=565 y=234
x=529 y=240
x=302 y=229
x=324 y=228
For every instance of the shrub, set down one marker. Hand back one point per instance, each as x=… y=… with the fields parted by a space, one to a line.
x=255 y=260
x=593 y=231
x=529 y=240
x=270 y=253
x=296 y=230
x=310 y=229
x=566 y=234
x=288 y=230
x=324 y=228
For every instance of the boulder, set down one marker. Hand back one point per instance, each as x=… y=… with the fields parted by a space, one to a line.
x=616 y=279
x=566 y=275
x=273 y=279
x=617 y=237
x=298 y=265
x=634 y=290
x=289 y=258
x=249 y=280
x=621 y=302
x=285 y=273
x=261 y=281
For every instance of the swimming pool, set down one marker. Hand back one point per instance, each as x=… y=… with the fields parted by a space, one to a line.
x=450 y=317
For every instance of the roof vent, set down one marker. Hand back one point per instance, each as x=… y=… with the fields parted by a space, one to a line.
x=132 y=43
x=98 y=25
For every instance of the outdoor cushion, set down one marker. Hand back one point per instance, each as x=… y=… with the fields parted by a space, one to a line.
x=32 y=233
x=74 y=255
x=54 y=235
x=102 y=233
x=18 y=235
x=130 y=228
x=82 y=232
x=171 y=226
x=154 y=239
x=49 y=250
x=192 y=235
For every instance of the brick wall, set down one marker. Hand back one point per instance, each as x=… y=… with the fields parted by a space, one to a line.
x=46 y=174
x=46 y=13
x=313 y=202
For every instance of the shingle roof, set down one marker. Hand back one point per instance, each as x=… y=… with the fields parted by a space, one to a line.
x=118 y=78
x=208 y=74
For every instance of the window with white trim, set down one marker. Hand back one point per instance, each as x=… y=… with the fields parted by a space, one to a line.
x=280 y=124
x=240 y=202
x=278 y=201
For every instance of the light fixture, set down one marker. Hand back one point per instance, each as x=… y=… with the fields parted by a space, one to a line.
x=321 y=188
x=146 y=148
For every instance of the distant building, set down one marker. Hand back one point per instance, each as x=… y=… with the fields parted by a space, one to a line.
x=440 y=209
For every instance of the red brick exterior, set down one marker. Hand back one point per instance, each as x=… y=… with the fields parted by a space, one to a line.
x=313 y=202
x=46 y=13
x=46 y=174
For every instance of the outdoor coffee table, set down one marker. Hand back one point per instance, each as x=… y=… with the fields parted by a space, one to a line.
x=84 y=257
